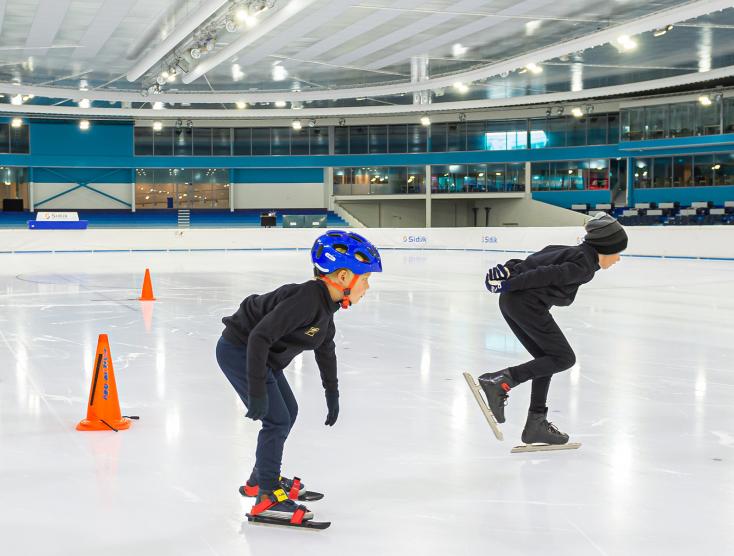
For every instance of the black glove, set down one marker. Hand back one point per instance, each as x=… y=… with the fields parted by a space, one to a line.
x=332 y=402
x=257 y=408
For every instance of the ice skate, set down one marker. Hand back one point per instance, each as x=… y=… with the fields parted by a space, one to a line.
x=539 y=435
x=476 y=390
x=294 y=487
x=275 y=508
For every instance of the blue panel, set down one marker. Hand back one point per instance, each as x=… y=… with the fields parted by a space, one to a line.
x=685 y=195
x=82 y=175
x=567 y=198
x=678 y=142
x=49 y=225
x=283 y=175
x=66 y=139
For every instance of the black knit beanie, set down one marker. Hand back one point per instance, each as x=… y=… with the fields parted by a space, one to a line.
x=605 y=234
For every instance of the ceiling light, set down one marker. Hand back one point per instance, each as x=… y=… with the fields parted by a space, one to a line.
x=577 y=112
x=296 y=124
x=532 y=26
x=84 y=103
x=280 y=104
x=461 y=87
x=425 y=120
x=311 y=123
x=705 y=100
x=458 y=50
x=296 y=105
x=241 y=104
x=16 y=123
x=662 y=30
x=535 y=69
x=83 y=85
x=157 y=126
x=627 y=43
x=84 y=125
x=17 y=100
x=716 y=167
x=279 y=72
x=548 y=111
x=342 y=122
x=158 y=105
x=237 y=73
x=195 y=53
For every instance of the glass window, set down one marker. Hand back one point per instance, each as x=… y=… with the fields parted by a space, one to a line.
x=540 y=176
x=438 y=138
x=576 y=135
x=515 y=177
x=477 y=178
x=343 y=181
x=448 y=179
x=496 y=177
x=181 y=188
x=318 y=138
x=456 y=137
x=681 y=119
x=202 y=141
x=20 y=139
x=280 y=141
x=4 y=138
x=709 y=118
x=392 y=181
x=14 y=184
x=416 y=179
x=260 y=141
x=682 y=171
x=633 y=124
x=378 y=139
x=222 y=141
x=566 y=175
x=704 y=169
x=729 y=115
x=398 y=138
x=242 y=141
x=475 y=136
x=724 y=174
x=358 y=140
x=662 y=172
x=597 y=130
x=506 y=135
x=538 y=135
x=613 y=128
x=341 y=140
x=643 y=173
x=556 y=129
x=209 y=189
x=163 y=142
x=183 y=140
x=597 y=174
x=417 y=138
x=299 y=141
x=143 y=141
x=656 y=122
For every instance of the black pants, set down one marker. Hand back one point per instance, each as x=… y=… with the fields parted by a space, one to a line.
x=276 y=425
x=531 y=321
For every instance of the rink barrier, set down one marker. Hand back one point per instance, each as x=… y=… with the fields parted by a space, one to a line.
x=689 y=242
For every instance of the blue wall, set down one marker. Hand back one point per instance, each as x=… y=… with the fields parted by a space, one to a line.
x=66 y=139
x=685 y=195
x=567 y=198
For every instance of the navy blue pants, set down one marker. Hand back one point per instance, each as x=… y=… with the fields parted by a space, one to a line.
x=277 y=424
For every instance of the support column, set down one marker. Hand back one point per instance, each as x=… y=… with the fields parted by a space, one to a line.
x=30 y=189
x=630 y=182
x=329 y=188
x=528 y=180
x=428 y=196
x=231 y=190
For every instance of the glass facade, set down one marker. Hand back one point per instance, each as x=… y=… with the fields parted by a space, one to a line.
x=176 y=188
x=570 y=175
x=380 y=180
x=14 y=185
x=477 y=178
x=683 y=119
x=684 y=171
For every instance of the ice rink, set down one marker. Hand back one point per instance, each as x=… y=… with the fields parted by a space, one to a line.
x=411 y=467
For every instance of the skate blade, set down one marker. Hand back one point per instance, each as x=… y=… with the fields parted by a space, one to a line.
x=545 y=447
x=476 y=390
x=274 y=521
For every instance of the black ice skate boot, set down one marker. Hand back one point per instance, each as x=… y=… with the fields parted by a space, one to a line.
x=539 y=431
x=496 y=386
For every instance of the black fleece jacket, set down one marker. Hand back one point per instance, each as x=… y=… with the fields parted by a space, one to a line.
x=554 y=273
x=278 y=326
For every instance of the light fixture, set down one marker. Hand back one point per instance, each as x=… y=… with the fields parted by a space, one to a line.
x=84 y=103
x=705 y=100
x=461 y=87
x=195 y=53
x=462 y=117
x=458 y=50
x=662 y=30
x=83 y=85
x=241 y=104
x=716 y=167
x=237 y=73
x=561 y=110
x=626 y=43
x=342 y=122
x=548 y=112
x=16 y=123
x=16 y=100
x=425 y=121
x=84 y=125
x=280 y=104
x=535 y=69
x=279 y=72
x=311 y=123
x=157 y=126
x=577 y=112
x=231 y=26
x=158 y=105
x=296 y=105
x=296 y=124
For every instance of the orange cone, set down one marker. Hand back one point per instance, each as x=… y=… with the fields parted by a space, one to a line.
x=147 y=294
x=103 y=411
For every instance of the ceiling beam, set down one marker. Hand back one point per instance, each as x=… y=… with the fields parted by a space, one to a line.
x=103 y=26
x=47 y=21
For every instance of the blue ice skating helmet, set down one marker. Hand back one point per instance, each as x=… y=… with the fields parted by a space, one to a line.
x=337 y=249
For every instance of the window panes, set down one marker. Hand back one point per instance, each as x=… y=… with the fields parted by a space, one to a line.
x=341 y=140
x=358 y=140
x=456 y=137
x=20 y=139
x=597 y=130
x=260 y=141
x=682 y=171
x=417 y=138
x=143 y=141
x=222 y=141
x=183 y=140
x=656 y=122
x=576 y=134
x=398 y=138
x=242 y=142
x=378 y=139
x=299 y=141
x=280 y=141
x=163 y=142
x=476 y=140
x=203 y=141
x=662 y=172
x=318 y=138
x=438 y=137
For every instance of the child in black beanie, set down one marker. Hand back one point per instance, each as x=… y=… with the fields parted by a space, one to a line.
x=528 y=289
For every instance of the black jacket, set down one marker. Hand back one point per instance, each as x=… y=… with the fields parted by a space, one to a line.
x=554 y=273
x=278 y=326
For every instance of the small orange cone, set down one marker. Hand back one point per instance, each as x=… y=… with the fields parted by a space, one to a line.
x=147 y=294
x=103 y=411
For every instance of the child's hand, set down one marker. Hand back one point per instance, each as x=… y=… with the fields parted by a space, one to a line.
x=257 y=408
x=332 y=403
x=495 y=281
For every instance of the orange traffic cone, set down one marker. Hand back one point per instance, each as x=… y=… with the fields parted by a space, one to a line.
x=103 y=411
x=147 y=294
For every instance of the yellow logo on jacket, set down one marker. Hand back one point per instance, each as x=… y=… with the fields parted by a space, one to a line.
x=312 y=331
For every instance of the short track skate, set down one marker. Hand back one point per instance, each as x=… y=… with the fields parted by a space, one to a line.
x=477 y=391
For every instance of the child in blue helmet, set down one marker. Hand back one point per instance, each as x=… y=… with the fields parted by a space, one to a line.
x=264 y=336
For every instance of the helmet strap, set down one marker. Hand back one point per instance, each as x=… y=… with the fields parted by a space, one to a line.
x=346 y=292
